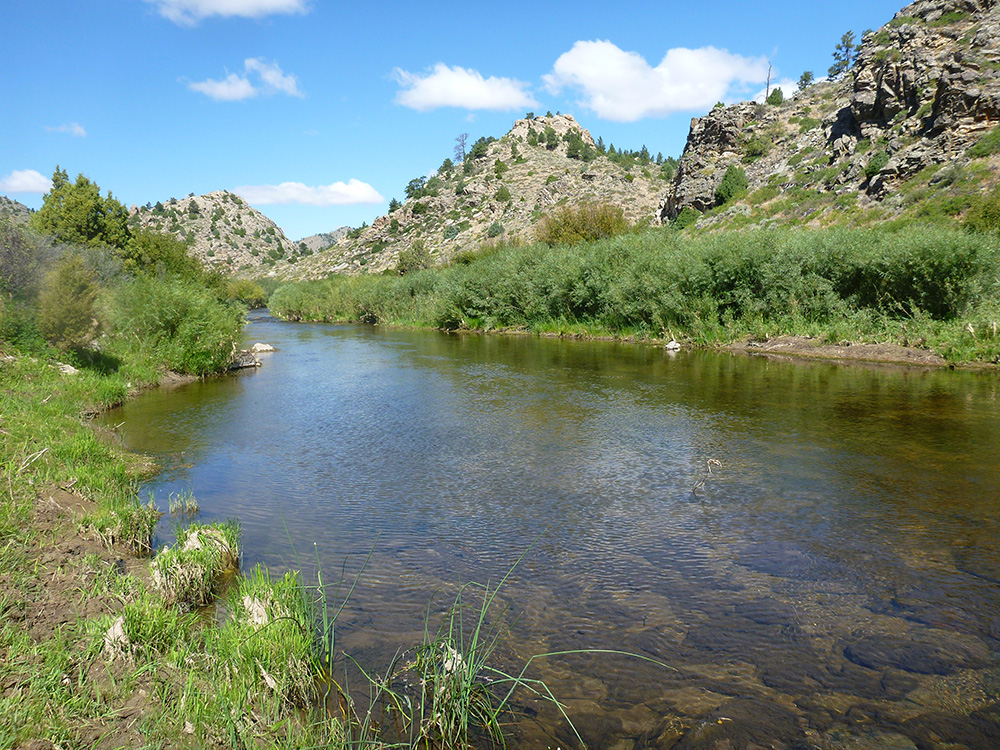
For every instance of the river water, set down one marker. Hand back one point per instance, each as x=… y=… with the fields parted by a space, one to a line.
x=813 y=549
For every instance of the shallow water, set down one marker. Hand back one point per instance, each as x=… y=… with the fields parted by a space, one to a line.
x=812 y=548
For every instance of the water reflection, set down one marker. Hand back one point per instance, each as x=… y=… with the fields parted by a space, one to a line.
x=833 y=582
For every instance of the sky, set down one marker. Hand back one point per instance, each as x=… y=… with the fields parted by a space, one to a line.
x=320 y=112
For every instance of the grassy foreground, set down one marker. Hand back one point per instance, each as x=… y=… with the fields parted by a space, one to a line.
x=920 y=286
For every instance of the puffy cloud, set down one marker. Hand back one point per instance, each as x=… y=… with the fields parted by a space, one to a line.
x=272 y=76
x=190 y=12
x=460 y=87
x=74 y=129
x=623 y=87
x=271 y=80
x=232 y=89
x=25 y=181
x=336 y=194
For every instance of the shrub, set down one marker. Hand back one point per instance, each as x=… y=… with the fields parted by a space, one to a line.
x=687 y=216
x=503 y=194
x=756 y=147
x=876 y=163
x=585 y=223
x=984 y=216
x=414 y=258
x=177 y=322
x=734 y=182
x=776 y=97
x=66 y=313
x=495 y=230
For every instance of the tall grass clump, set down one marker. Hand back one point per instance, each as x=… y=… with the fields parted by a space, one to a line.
x=178 y=322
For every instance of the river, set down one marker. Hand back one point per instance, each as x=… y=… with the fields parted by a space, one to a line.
x=809 y=551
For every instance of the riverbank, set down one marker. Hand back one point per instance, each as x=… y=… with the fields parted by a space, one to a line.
x=100 y=645
x=918 y=288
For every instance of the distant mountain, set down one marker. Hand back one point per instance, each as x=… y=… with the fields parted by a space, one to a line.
x=502 y=189
x=224 y=232
x=14 y=211
x=324 y=240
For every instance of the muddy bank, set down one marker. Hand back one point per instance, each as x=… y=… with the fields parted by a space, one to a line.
x=804 y=347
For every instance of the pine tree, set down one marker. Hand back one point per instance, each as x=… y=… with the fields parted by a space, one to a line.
x=844 y=55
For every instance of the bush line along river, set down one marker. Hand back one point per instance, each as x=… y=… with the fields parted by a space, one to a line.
x=810 y=546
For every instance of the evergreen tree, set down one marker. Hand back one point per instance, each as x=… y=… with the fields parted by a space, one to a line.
x=806 y=80
x=76 y=213
x=844 y=55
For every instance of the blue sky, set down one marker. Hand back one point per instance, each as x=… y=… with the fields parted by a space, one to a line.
x=320 y=112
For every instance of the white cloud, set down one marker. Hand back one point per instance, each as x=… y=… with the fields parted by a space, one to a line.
x=74 y=129
x=623 y=87
x=190 y=12
x=238 y=87
x=460 y=87
x=232 y=89
x=25 y=181
x=337 y=194
x=272 y=76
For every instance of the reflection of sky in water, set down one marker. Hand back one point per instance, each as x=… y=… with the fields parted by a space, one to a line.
x=452 y=455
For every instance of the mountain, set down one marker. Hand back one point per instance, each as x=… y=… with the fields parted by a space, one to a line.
x=16 y=212
x=896 y=136
x=324 y=240
x=224 y=232
x=501 y=189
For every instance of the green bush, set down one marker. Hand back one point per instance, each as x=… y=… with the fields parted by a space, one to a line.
x=177 y=322
x=776 y=97
x=66 y=311
x=733 y=184
x=876 y=163
x=503 y=194
x=495 y=229
x=585 y=223
x=687 y=217
x=413 y=258
x=984 y=215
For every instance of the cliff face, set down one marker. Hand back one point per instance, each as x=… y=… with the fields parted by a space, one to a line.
x=501 y=191
x=923 y=89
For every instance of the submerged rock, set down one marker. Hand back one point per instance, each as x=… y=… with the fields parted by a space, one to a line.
x=932 y=652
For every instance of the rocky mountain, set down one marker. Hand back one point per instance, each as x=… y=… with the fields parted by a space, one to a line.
x=324 y=240
x=224 y=232
x=896 y=134
x=501 y=190
x=16 y=212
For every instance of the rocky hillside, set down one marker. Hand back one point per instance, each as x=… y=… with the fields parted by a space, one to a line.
x=324 y=240
x=224 y=232
x=897 y=134
x=501 y=190
x=13 y=211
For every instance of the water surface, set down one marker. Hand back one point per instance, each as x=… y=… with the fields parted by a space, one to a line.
x=812 y=547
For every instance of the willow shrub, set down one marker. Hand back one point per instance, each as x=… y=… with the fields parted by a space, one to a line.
x=179 y=323
x=706 y=287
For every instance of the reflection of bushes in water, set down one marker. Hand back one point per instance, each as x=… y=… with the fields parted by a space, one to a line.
x=704 y=288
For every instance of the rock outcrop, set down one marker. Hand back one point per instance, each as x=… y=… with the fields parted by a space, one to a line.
x=923 y=89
